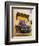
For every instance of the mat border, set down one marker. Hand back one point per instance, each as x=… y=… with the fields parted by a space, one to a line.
x=7 y=4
